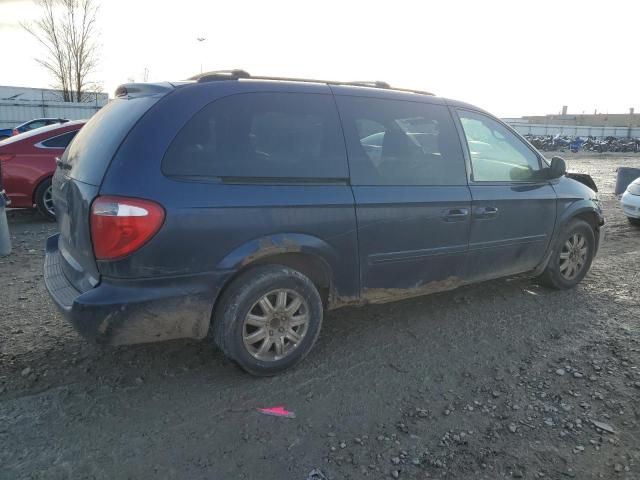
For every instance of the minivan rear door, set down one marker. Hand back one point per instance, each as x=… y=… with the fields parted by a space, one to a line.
x=78 y=176
x=413 y=203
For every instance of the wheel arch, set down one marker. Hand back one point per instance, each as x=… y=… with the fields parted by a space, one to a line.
x=307 y=254
x=583 y=212
x=590 y=217
x=588 y=214
x=37 y=183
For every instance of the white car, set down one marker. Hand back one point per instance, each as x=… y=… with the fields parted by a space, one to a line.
x=631 y=202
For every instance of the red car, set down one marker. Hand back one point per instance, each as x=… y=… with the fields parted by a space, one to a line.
x=28 y=161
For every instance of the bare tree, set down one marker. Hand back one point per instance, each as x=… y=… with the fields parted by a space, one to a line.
x=67 y=29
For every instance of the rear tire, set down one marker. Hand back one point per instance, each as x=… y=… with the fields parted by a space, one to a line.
x=634 y=221
x=268 y=319
x=572 y=256
x=44 y=200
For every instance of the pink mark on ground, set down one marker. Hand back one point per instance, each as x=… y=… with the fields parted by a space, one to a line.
x=279 y=411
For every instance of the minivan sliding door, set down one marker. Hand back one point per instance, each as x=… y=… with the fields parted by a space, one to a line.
x=413 y=204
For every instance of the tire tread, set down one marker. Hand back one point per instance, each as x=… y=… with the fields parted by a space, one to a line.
x=226 y=310
x=551 y=275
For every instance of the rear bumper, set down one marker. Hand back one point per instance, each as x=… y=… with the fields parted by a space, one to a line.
x=601 y=234
x=120 y=312
x=5 y=201
x=602 y=237
x=5 y=238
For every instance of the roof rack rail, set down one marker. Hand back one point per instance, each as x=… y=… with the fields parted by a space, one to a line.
x=237 y=74
x=376 y=84
x=220 y=75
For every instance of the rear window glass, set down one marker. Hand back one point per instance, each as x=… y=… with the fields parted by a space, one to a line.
x=91 y=152
x=261 y=135
x=37 y=124
x=61 y=141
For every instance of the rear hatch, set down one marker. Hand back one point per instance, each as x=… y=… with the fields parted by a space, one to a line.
x=76 y=182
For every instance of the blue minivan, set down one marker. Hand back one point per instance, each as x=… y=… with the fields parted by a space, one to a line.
x=241 y=208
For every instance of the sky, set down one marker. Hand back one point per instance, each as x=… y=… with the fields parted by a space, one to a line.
x=511 y=57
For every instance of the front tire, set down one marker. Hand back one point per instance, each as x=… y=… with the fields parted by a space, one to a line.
x=634 y=221
x=572 y=256
x=44 y=200
x=268 y=319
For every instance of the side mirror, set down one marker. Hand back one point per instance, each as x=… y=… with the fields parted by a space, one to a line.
x=558 y=167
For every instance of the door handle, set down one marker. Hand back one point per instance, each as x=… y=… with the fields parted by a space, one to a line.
x=485 y=212
x=455 y=214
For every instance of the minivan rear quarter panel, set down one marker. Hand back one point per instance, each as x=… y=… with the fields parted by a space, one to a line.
x=221 y=227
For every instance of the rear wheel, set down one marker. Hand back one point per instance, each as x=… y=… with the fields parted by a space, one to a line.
x=44 y=200
x=268 y=319
x=634 y=221
x=572 y=256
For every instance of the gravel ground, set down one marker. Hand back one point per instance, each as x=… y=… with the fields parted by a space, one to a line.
x=504 y=379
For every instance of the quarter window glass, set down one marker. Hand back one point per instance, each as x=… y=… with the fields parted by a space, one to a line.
x=497 y=155
x=61 y=141
x=392 y=142
x=264 y=135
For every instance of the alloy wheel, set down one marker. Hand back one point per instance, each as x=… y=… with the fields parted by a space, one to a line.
x=573 y=256
x=275 y=325
x=47 y=200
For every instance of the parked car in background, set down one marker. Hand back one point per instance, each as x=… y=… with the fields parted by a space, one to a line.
x=37 y=123
x=30 y=125
x=29 y=161
x=250 y=205
x=631 y=202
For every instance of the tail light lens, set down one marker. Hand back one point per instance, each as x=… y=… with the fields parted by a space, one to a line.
x=6 y=157
x=120 y=226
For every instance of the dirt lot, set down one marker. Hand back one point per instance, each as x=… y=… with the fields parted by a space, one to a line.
x=499 y=380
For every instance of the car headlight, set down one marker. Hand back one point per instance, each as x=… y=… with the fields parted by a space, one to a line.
x=634 y=189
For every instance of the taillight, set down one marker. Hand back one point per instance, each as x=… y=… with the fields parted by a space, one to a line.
x=5 y=157
x=120 y=226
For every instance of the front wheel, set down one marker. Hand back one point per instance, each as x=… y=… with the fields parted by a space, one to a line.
x=634 y=221
x=268 y=319
x=572 y=256
x=44 y=200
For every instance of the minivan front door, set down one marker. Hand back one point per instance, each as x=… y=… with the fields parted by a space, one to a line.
x=514 y=206
x=413 y=204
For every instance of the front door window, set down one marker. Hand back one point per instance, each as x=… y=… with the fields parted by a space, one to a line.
x=497 y=155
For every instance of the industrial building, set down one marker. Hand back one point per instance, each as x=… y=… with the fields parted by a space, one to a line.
x=599 y=125
x=630 y=119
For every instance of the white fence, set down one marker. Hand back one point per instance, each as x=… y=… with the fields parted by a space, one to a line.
x=14 y=113
x=21 y=104
x=525 y=128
